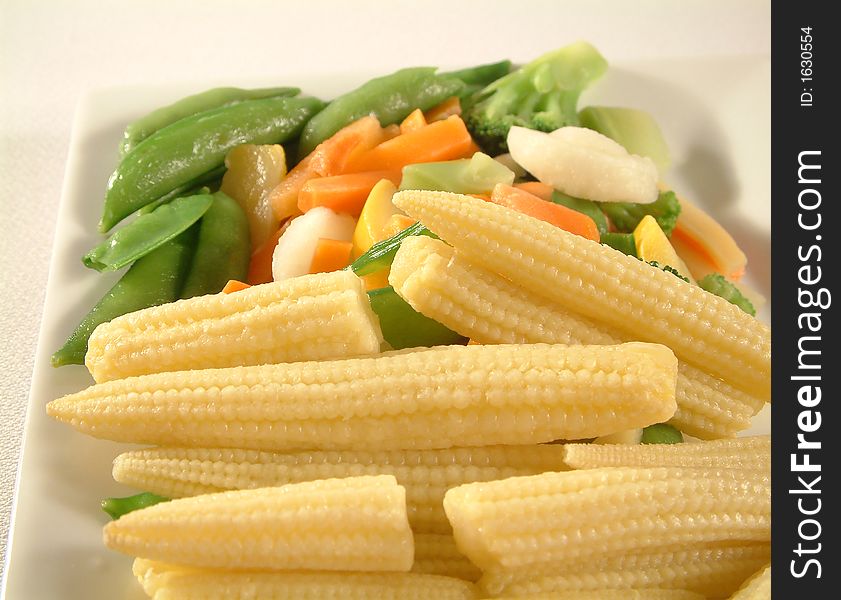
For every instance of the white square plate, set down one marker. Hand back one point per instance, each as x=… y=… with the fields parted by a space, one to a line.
x=715 y=114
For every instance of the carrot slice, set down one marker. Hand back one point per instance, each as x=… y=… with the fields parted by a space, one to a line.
x=449 y=107
x=560 y=216
x=260 y=267
x=330 y=255
x=342 y=193
x=538 y=188
x=414 y=121
x=234 y=286
x=442 y=140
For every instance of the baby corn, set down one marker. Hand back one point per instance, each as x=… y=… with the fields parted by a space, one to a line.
x=647 y=594
x=326 y=315
x=602 y=284
x=426 y=474
x=434 y=398
x=440 y=283
x=438 y=555
x=758 y=587
x=736 y=453
x=578 y=516
x=352 y=524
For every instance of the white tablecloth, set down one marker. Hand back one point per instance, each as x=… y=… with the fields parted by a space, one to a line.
x=51 y=51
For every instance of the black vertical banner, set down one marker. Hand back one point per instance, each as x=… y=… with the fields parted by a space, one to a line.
x=805 y=423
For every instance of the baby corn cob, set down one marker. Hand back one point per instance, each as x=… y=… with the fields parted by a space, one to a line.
x=353 y=524
x=426 y=474
x=313 y=317
x=434 y=398
x=758 y=587
x=438 y=555
x=737 y=453
x=170 y=583
x=713 y=571
x=578 y=516
x=648 y=594
x=440 y=283
x=602 y=284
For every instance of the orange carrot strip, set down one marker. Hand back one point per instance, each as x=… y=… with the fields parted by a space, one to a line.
x=234 y=286
x=696 y=256
x=376 y=280
x=284 y=197
x=342 y=193
x=260 y=267
x=560 y=216
x=449 y=107
x=537 y=188
x=442 y=140
x=330 y=255
x=390 y=132
x=414 y=121
x=484 y=197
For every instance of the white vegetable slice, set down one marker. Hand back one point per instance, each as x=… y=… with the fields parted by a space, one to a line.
x=296 y=247
x=585 y=164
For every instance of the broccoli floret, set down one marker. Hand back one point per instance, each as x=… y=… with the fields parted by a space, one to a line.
x=542 y=95
x=715 y=283
x=625 y=216
x=668 y=269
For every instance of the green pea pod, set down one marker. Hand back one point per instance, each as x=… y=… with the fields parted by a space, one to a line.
x=197 y=186
x=588 y=207
x=154 y=279
x=178 y=154
x=223 y=250
x=381 y=255
x=148 y=124
x=117 y=507
x=147 y=232
x=391 y=98
x=404 y=327
x=476 y=78
x=624 y=242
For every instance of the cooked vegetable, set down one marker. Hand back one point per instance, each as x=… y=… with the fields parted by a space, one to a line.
x=529 y=522
x=602 y=284
x=653 y=247
x=147 y=232
x=426 y=474
x=296 y=247
x=155 y=279
x=414 y=121
x=260 y=264
x=330 y=255
x=409 y=400
x=585 y=164
x=542 y=95
x=390 y=98
x=351 y=524
x=634 y=129
x=756 y=587
x=376 y=214
x=139 y=130
x=587 y=207
x=550 y=212
x=437 y=554
x=438 y=282
x=176 y=155
x=403 y=327
x=624 y=242
x=222 y=249
x=449 y=107
x=380 y=255
x=344 y=194
x=475 y=78
x=538 y=188
x=661 y=433
x=625 y=216
x=476 y=175
x=117 y=507
x=715 y=283
x=199 y=185
x=235 y=286
x=305 y=318
x=612 y=594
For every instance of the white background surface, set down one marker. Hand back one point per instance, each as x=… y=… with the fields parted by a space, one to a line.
x=51 y=52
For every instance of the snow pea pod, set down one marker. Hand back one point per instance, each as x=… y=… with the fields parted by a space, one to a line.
x=190 y=147
x=147 y=232
x=404 y=327
x=391 y=98
x=223 y=250
x=211 y=179
x=146 y=125
x=152 y=280
x=476 y=78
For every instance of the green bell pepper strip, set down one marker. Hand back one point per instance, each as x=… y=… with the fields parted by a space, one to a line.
x=381 y=255
x=147 y=232
x=117 y=507
x=154 y=279
x=404 y=327
x=391 y=98
x=197 y=186
x=476 y=175
x=223 y=250
x=146 y=125
x=661 y=433
x=190 y=147
x=624 y=242
x=588 y=207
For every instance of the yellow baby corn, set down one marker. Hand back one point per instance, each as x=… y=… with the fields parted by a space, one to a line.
x=440 y=283
x=713 y=571
x=737 y=453
x=579 y=516
x=438 y=555
x=326 y=315
x=648 y=594
x=352 y=524
x=758 y=587
x=434 y=398
x=426 y=474
x=204 y=584
x=603 y=284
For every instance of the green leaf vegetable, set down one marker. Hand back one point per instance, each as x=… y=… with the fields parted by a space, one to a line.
x=715 y=283
x=625 y=216
x=117 y=507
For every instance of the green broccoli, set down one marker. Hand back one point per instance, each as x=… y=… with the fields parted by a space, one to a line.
x=715 y=283
x=625 y=216
x=668 y=269
x=542 y=95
